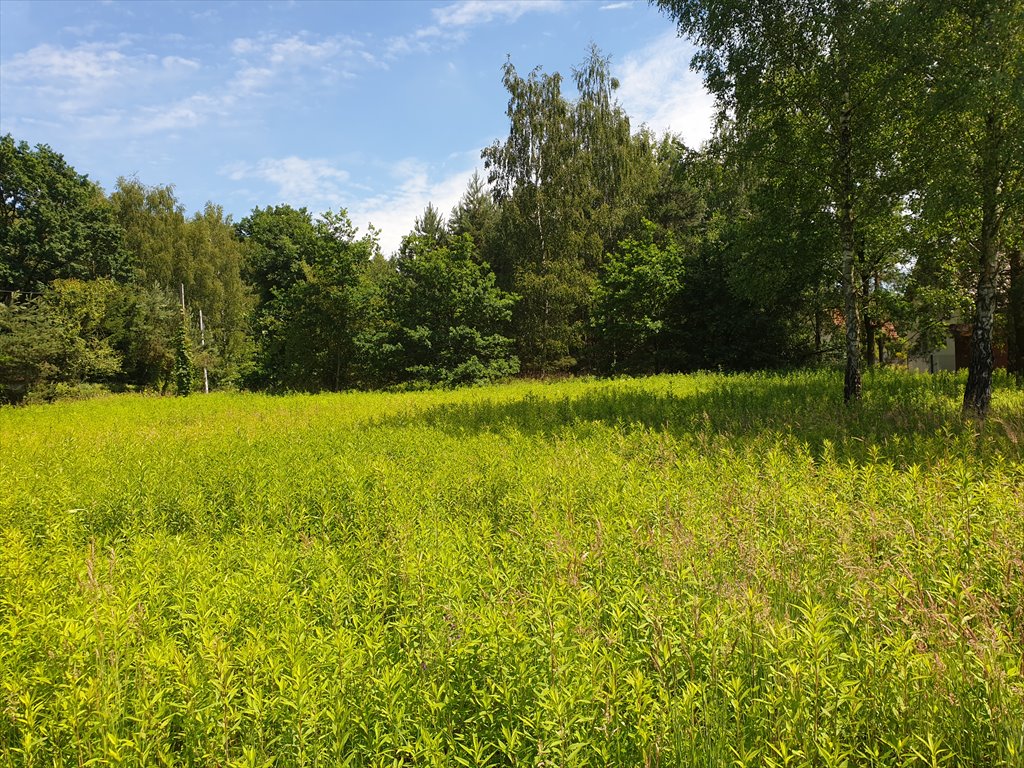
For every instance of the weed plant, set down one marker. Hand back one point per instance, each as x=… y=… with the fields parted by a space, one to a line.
x=675 y=571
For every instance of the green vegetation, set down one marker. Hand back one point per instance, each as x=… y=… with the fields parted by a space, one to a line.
x=703 y=570
x=861 y=197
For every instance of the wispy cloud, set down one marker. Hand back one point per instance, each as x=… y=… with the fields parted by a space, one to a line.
x=617 y=6
x=394 y=212
x=471 y=12
x=114 y=89
x=190 y=112
x=320 y=184
x=658 y=87
x=303 y=49
x=251 y=79
x=180 y=63
x=87 y=85
x=267 y=57
x=315 y=183
x=309 y=54
x=452 y=22
x=83 y=30
x=85 y=63
x=295 y=50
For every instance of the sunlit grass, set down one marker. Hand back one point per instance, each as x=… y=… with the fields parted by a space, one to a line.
x=700 y=570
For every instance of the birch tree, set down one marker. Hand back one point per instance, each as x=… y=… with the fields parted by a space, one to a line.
x=971 y=148
x=571 y=180
x=808 y=86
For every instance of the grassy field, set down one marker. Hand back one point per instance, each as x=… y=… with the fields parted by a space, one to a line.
x=703 y=570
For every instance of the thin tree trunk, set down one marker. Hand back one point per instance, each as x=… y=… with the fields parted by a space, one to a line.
x=851 y=385
x=545 y=335
x=978 y=394
x=869 y=324
x=1016 y=315
x=881 y=326
x=817 y=331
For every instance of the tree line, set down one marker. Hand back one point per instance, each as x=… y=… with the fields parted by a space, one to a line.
x=861 y=191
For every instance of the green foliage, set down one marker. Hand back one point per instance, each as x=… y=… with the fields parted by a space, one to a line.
x=54 y=223
x=679 y=201
x=447 y=319
x=153 y=222
x=201 y=254
x=58 y=338
x=476 y=215
x=143 y=324
x=968 y=142
x=749 y=299
x=373 y=361
x=718 y=326
x=304 y=273
x=637 y=287
x=862 y=189
x=537 y=187
x=816 y=93
x=430 y=228
x=969 y=153
x=570 y=180
x=184 y=371
x=217 y=288
x=702 y=570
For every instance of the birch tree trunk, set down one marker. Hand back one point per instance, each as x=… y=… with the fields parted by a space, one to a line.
x=978 y=394
x=1016 y=314
x=852 y=384
x=869 y=322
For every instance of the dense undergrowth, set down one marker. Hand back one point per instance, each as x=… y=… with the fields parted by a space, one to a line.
x=703 y=570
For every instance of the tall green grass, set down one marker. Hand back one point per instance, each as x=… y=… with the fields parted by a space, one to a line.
x=704 y=570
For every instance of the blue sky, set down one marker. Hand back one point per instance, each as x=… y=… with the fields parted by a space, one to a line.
x=377 y=107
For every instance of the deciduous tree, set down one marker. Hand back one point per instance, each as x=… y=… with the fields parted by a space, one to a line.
x=971 y=148
x=54 y=222
x=808 y=86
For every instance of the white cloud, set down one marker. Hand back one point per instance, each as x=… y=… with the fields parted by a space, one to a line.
x=250 y=79
x=423 y=40
x=311 y=182
x=84 y=87
x=206 y=16
x=616 y=6
x=658 y=87
x=87 y=63
x=189 y=112
x=472 y=12
x=179 y=63
x=295 y=50
x=268 y=57
x=395 y=212
x=243 y=45
x=452 y=21
x=318 y=184
x=298 y=50
x=87 y=86
x=85 y=30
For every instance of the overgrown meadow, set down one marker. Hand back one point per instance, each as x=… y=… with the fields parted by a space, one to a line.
x=687 y=570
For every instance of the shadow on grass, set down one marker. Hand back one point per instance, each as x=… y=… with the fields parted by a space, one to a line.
x=903 y=418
